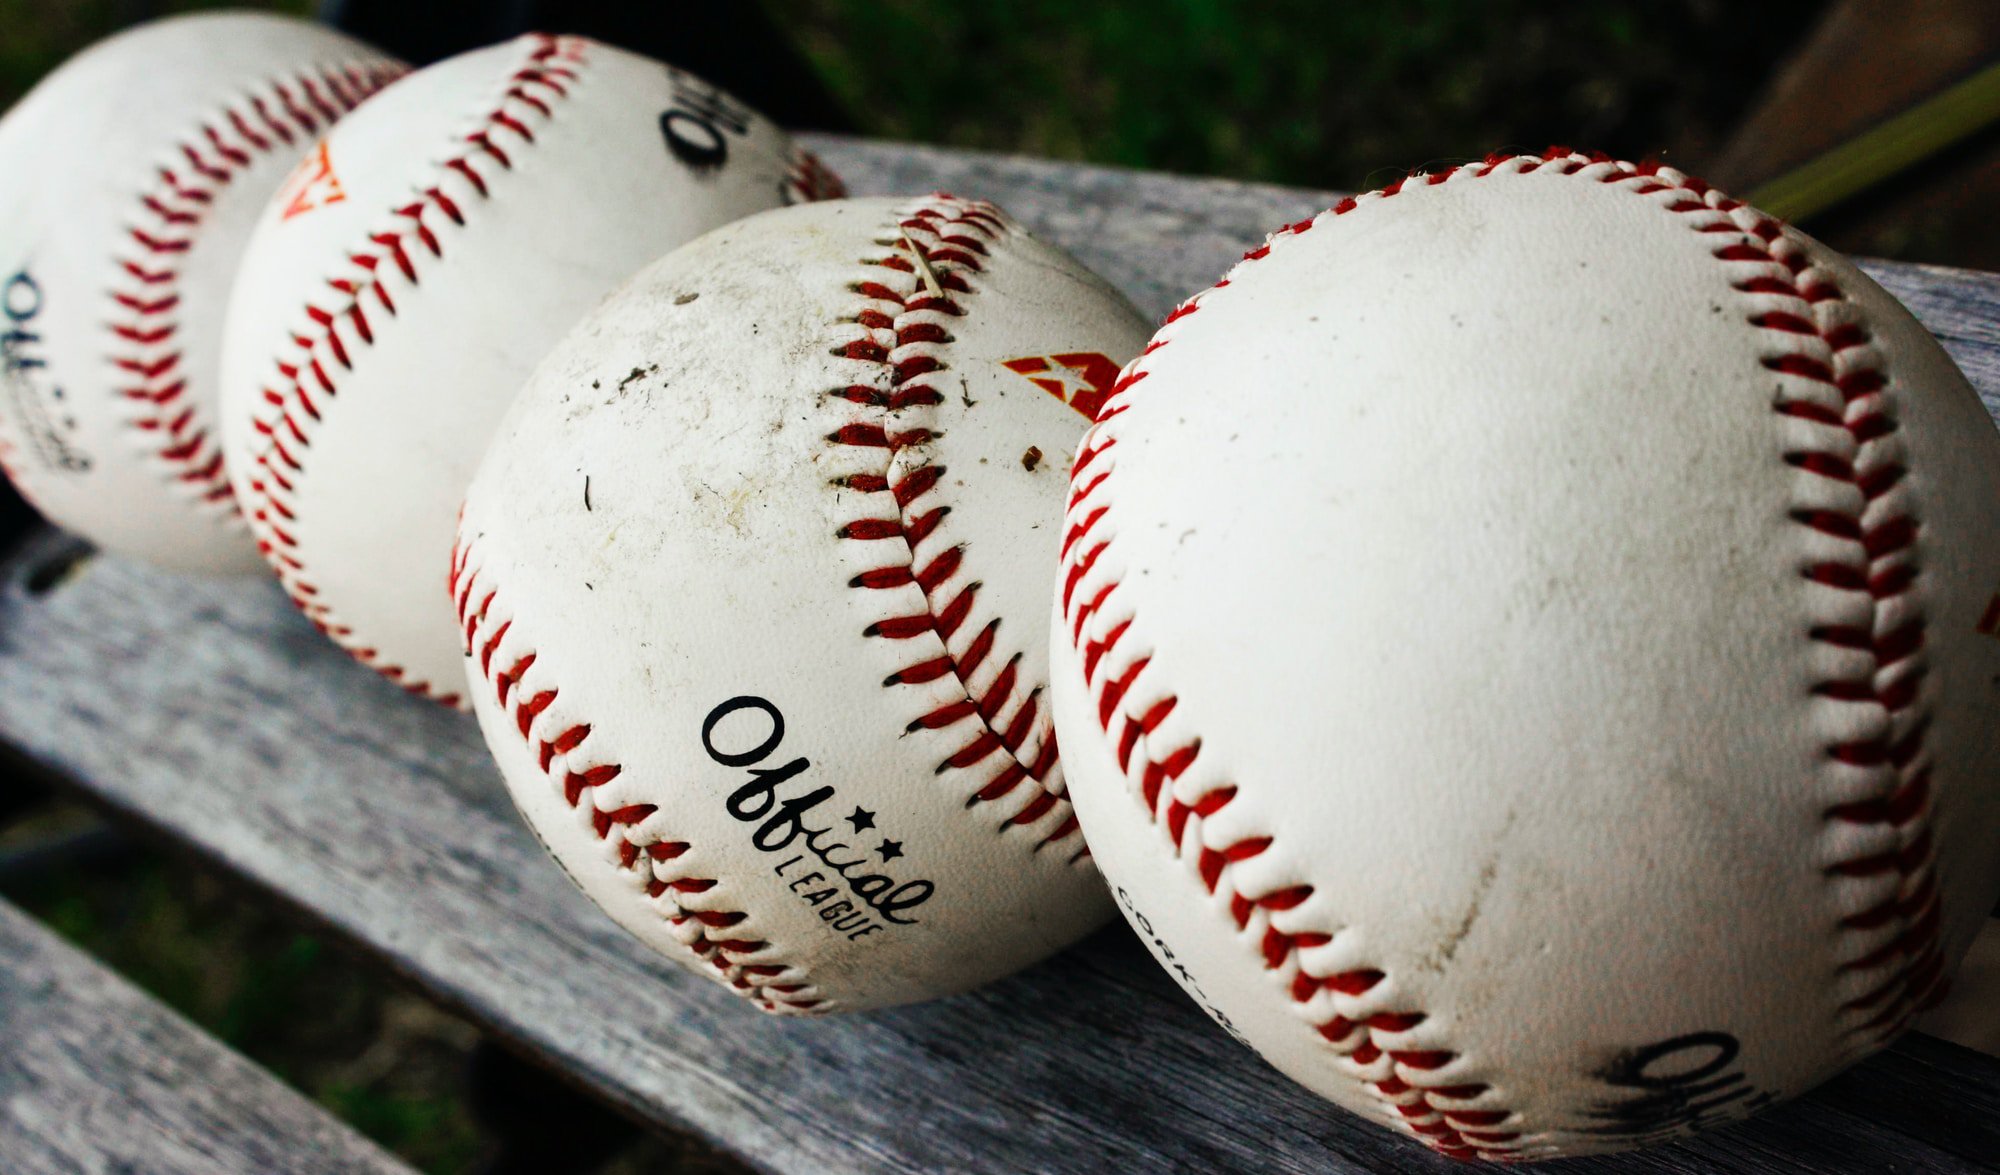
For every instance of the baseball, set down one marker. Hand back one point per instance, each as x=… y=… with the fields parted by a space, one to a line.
x=405 y=280
x=1524 y=656
x=133 y=177
x=753 y=587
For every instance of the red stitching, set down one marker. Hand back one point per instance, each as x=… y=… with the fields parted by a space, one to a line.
x=950 y=236
x=811 y=180
x=559 y=743
x=295 y=398
x=1842 y=391
x=142 y=324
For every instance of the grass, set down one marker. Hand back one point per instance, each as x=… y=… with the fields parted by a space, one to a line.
x=1294 y=91
x=329 y=1024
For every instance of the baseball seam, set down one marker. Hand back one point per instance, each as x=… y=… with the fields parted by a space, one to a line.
x=940 y=242
x=1838 y=396
x=307 y=377
x=144 y=347
x=809 y=180
x=324 y=345
x=531 y=703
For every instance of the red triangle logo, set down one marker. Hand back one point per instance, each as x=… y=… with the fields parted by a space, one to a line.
x=1081 y=379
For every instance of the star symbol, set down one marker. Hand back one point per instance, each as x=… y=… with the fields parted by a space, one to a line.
x=1081 y=379
x=1069 y=383
x=890 y=849
x=862 y=819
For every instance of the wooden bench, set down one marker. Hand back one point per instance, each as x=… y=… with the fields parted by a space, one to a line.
x=97 y=1076
x=212 y=714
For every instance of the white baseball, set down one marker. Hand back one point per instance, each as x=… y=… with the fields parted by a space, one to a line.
x=129 y=182
x=1525 y=656
x=405 y=281
x=754 y=593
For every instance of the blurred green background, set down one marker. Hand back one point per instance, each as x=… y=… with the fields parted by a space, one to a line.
x=1340 y=96
x=1293 y=91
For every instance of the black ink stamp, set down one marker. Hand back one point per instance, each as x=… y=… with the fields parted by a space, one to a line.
x=699 y=125
x=33 y=399
x=1673 y=1087
x=852 y=893
x=1176 y=968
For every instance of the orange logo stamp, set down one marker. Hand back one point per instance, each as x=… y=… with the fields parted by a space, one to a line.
x=313 y=185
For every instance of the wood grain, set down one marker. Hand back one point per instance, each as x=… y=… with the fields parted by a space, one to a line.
x=211 y=712
x=96 y=1076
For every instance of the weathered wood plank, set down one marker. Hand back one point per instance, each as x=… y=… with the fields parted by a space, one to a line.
x=213 y=713
x=1158 y=237
x=96 y=1076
